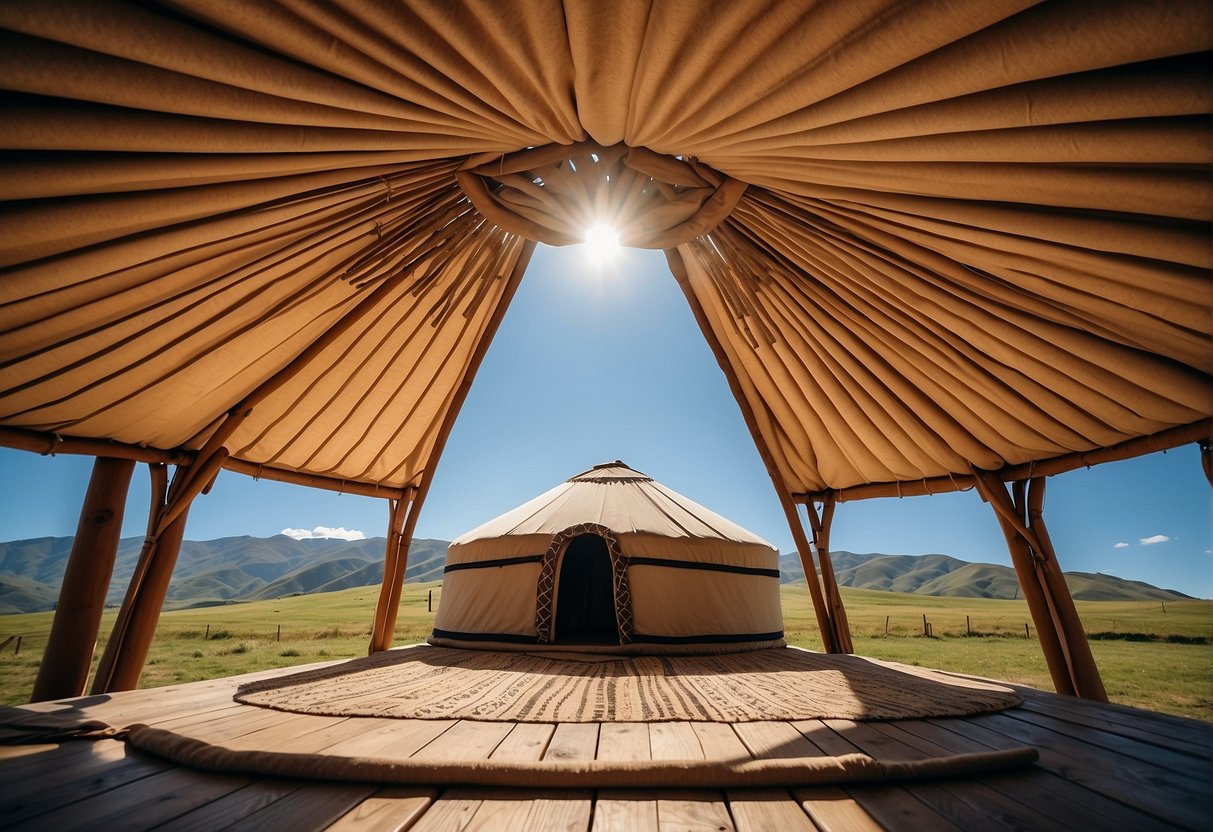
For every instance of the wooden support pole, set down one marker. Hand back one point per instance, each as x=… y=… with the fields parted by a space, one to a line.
x=131 y=637
x=820 y=608
x=1015 y=531
x=69 y=649
x=1083 y=670
x=125 y=653
x=390 y=590
x=820 y=524
x=266 y=472
x=51 y=444
x=397 y=549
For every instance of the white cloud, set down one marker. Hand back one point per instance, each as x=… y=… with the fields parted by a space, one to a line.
x=1157 y=538
x=1121 y=546
x=324 y=532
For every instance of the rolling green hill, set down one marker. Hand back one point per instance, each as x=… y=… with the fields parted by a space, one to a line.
x=211 y=572
x=230 y=569
x=946 y=576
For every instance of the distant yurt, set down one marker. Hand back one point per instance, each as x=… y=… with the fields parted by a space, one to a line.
x=610 y=561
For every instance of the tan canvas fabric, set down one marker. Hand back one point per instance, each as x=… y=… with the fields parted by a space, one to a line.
x=495 y=600
x=971 y=234
x=648 y=518
x=705 y=585
x=688 y=602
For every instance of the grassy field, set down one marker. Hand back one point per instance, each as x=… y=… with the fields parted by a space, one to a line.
x=1150 y=656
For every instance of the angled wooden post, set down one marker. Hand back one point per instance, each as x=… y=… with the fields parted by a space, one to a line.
x=69 y=649
x=1083 y=670
x=131 y=638
x=397 y=549
x=397 y=556
x=825 y=623
x=1062 y=639
x=994 y=492
x=820 y=524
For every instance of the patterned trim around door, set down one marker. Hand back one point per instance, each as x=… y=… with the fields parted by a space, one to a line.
x=545 y=591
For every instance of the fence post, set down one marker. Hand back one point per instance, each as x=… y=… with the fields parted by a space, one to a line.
x=17 y=650
x=926 y=628
x=886 y=625
x=280 y=632
x=968 y=629
x=1026 y=632
x=208 y=633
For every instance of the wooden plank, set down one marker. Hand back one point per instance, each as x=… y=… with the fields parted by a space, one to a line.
x=625 y=811
x=138 y=804
x=871 y=741
x=232 y=808
x=573 y=741
x=760 y=810
x=282 y=730
x=1174 y=798
x=920 y=741
x=39 y=760
x=527 y=741
x=233 y=726
x=146 y=706
x=964 y=802
x=719 y=741
x=453 y=810
x=1158 y=755
x=833 y=810
x=825 y=738
x=19 y=755
x=620 y=741
x=957 y=741
x=1195 y=738
x=894 y=807
x=209 y=715
x=693 y=809
x=974 y=805
x=466 y=741
x=1057 y=795
x=1175 y=727
x=775 y=740
x=109 y=767
x=674 y=741
x=525 y=810
x=313 y=807
x=394 y=738
x=324 y=736
x=390 y=809
x=503 y=810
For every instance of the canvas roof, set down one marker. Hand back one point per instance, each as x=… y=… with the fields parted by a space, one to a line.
x=623 y=500
x=922 y=237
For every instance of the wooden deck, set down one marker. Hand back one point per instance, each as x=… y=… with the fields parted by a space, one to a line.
x=1100 y=766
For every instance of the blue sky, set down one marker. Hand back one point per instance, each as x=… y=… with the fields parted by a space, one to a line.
x=596 y=362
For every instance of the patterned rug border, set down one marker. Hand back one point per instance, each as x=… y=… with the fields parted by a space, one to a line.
x=427 y=682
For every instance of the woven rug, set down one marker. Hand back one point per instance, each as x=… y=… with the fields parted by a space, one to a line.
x=777 y=684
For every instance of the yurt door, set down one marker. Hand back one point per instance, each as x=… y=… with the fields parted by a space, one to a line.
x=585 y=598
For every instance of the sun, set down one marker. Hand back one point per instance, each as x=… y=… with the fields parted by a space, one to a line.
x=602 y=243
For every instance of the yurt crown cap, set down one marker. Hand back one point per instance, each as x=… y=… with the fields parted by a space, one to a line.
x=598 y=473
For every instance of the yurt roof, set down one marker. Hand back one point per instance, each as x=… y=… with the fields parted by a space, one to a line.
x=623 y=500
x=921 y=238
